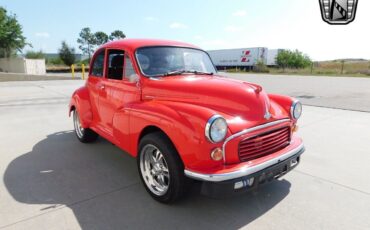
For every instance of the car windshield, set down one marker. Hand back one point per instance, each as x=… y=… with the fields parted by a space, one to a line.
x=166 y=61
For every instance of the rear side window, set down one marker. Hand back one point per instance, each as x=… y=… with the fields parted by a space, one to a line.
x=98 y=65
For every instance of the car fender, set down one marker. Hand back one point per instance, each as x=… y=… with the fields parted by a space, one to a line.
x=80 y=101
x=284 y=102
x=183 y=123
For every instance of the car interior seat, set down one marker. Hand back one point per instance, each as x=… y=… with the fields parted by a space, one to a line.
x=116 y=69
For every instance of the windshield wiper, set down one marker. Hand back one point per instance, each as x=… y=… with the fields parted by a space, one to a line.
x=179 y=72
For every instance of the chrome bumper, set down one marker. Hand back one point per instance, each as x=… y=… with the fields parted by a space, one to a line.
x=245 y=171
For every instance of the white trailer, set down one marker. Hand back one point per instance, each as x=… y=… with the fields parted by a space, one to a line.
x=271 y=57
x=242 y=57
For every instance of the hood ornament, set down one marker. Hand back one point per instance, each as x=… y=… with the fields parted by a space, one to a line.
x=267 y=115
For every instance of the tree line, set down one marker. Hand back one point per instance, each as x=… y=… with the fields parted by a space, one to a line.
x=12 y=40
x=292 y=59
x=11 y=34
x=90 y=41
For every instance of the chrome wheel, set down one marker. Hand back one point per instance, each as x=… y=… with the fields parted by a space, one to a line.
x=77 y=124
x=154 y=170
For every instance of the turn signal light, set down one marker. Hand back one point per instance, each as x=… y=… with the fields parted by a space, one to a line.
x=216 y=154
x=295 y=128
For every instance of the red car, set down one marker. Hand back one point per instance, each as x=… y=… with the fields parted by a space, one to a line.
x=163 y=103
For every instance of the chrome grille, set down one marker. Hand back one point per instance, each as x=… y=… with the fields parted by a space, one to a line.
x=264 y=144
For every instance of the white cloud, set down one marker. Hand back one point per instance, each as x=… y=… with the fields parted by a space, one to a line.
x=233 y=29
x=198 y=37
x=151 y=19
x=177 y=25
x=240 y=13
x=42 y=34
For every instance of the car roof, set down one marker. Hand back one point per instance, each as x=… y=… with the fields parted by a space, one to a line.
x=132 y=44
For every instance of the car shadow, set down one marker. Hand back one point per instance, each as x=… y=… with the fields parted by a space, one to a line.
x=100 y=184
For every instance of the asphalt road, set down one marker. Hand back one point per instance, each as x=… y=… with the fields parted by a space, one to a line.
x=52 y=181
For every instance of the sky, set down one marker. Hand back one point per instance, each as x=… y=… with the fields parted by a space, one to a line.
x=209 y=24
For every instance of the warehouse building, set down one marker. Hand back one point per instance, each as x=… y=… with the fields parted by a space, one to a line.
x=243 y=58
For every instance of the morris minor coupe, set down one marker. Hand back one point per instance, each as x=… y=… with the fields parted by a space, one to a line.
x=164 y=103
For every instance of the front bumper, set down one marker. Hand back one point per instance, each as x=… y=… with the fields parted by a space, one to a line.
x=249 y=182
x=247 y=178
x=246 y=170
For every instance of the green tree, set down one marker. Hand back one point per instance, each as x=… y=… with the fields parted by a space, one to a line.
x=67 y=54
x=86 y=41
x=35 y=55
x=11 y=34
x=282 y=59
x=292 y=59
x=116 y=35
x=100 y=38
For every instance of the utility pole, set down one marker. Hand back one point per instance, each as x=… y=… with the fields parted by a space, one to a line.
x=311 y=67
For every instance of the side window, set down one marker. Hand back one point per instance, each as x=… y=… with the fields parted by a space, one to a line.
x=115 y=64
x=98 y=65
x=130 y=73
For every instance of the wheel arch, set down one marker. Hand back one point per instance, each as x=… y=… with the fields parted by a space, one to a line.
x=150 y=129
x=80 y=101
x=154 y=129
x=71 y=109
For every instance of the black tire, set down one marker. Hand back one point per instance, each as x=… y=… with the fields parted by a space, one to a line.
x=177 y=182
x=85 y=135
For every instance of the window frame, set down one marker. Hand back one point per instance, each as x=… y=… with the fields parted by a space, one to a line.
x=107 y=64
x=97 y=53
x=166 y=46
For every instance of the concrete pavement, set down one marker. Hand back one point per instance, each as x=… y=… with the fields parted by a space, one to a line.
x=335 y=92
x=52 y=181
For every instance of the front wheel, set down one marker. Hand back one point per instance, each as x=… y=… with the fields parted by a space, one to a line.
x=84 y=135
x=160 y=168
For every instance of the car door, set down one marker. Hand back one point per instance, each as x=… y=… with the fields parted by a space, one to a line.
x=120 y=86
x=95 y=84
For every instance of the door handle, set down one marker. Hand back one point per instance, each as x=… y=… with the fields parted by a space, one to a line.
x=102 y=87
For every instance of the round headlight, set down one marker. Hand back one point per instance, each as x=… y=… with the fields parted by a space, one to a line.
x=296 y=110
x=216 y=128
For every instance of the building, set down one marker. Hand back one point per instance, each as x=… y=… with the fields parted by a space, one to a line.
x=243 y=58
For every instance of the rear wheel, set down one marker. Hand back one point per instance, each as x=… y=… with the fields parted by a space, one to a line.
x=160 y=168
x=84 y=135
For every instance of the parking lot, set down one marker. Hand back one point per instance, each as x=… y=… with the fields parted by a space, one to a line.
x=52 y=181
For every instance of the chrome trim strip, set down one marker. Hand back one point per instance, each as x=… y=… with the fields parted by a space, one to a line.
x=245 y=131
x=245 y=171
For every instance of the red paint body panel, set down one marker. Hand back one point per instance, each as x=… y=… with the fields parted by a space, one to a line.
x=180 y=106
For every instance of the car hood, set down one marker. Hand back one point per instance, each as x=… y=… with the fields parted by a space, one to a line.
x=229 y=97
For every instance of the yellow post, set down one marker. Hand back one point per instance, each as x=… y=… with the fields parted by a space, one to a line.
x=73 y=70
x=83 y=71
